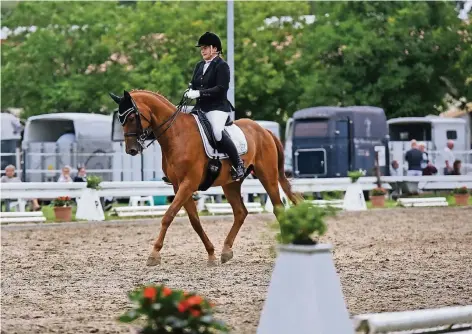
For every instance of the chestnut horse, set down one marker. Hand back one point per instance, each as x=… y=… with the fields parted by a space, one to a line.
x=143 y=113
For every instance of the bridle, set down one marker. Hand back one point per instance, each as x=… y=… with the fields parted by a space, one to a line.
x=144 y=134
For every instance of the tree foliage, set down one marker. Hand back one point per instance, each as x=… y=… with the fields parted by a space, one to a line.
x=402 y=56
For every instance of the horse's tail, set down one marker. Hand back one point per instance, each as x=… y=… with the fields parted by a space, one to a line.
x=284 y=183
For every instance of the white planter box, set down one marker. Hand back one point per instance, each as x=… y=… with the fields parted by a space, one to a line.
x=305 y=295
x=89 y=206
x=354 y=198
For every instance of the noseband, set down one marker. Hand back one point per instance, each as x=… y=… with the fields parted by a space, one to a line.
x=143 y=134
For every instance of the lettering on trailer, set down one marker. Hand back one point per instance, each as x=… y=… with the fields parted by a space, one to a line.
x=367 y=124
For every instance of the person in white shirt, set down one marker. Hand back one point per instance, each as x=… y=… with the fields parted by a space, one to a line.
x=448 y=157
x=65 y=176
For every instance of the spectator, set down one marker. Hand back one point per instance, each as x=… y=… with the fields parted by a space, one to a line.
x=10 y=177
x=65 y=176
x=456 y=168
x=414 y=157
x=448 y=157
x=81 y=175
x=395 y=169
x=426 y=165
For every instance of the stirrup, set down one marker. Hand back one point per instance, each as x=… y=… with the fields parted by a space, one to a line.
x=237 y=172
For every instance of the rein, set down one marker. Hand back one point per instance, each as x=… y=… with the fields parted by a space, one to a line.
x=143 y=134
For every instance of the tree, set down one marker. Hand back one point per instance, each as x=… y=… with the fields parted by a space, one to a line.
x=396 y=55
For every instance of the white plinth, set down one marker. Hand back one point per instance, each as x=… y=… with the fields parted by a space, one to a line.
x=354 y=198
x=89 y=206
x=305 y=295
x=269 y=207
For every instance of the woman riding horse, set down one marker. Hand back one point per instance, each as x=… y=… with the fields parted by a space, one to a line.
x=209 y=85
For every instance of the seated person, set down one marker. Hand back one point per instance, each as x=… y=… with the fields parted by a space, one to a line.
x=456 y=168
x=10 y=177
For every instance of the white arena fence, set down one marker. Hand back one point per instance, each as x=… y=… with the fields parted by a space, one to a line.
x=50 y=190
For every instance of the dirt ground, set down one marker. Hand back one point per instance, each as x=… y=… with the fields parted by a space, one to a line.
x=74 y=279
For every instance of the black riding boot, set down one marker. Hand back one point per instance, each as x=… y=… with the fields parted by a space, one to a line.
x=237 y=172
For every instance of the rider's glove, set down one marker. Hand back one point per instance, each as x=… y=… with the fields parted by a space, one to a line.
x=192 y=94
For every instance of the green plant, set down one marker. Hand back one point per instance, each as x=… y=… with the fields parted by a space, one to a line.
x=62 y=201
x=355 y=174
x=378 y=192
x=93 y=181
x=461 y=190
x=298 y=223
x=163 y=310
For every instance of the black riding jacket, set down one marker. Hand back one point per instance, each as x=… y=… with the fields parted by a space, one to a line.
x=213 y=85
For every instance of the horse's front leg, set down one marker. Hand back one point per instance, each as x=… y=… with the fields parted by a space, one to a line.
x=184 y=192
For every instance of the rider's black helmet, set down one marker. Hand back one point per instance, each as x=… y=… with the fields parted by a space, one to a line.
x=210 y=38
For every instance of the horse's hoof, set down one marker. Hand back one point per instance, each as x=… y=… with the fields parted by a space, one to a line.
x=153 y=259
x=225 y=257
x=212 y=261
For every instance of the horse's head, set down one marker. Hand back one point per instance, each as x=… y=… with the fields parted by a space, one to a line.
x=135 y=117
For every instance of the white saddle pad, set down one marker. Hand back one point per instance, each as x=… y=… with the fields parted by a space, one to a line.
x=236 y=134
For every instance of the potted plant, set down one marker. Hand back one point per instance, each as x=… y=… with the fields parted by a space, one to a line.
x=461 y=195
x=377 y=197
x=93 y=182
x=62 y=208
x=304 y=274
x=159 y=310
x=355 y=175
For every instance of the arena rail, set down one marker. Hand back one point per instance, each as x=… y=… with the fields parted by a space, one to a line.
x=428 y=320
x=50 y=190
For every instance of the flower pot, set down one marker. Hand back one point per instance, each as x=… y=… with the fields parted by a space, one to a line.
x=306 y=287
x=63 y=213
x=378 y=201
x=461 y=199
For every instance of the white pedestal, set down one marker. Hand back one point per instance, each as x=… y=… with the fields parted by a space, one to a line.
x=305 y=295
x=269 y=207
x=354 y=198
x=89 y=206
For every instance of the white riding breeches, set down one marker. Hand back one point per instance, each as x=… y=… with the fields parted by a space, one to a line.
x=217 y=119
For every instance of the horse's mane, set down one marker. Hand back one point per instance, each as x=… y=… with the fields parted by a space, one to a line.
x=157 y=94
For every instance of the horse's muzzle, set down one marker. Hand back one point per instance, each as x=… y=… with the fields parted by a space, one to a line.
x=133 y=151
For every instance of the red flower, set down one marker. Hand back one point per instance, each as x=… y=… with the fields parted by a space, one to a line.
x=150 y=292
x=183 y=306
x=166 y=291
x=195 y=313
x=194 y=300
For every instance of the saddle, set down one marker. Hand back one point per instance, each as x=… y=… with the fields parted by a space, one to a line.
x=209 y=142
x=207 y=128
x=211 y=146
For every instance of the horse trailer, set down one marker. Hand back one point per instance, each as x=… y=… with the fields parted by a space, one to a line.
x=51 y=141
x=434 y=131
x=10 y=140
x=330 y=141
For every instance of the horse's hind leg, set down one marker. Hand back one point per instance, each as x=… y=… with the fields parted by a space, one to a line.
x=268 y=175
x=233 y=194
x=192 y=212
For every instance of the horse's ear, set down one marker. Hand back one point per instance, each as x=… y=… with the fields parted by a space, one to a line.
x=115 y=98
x=126 y=95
